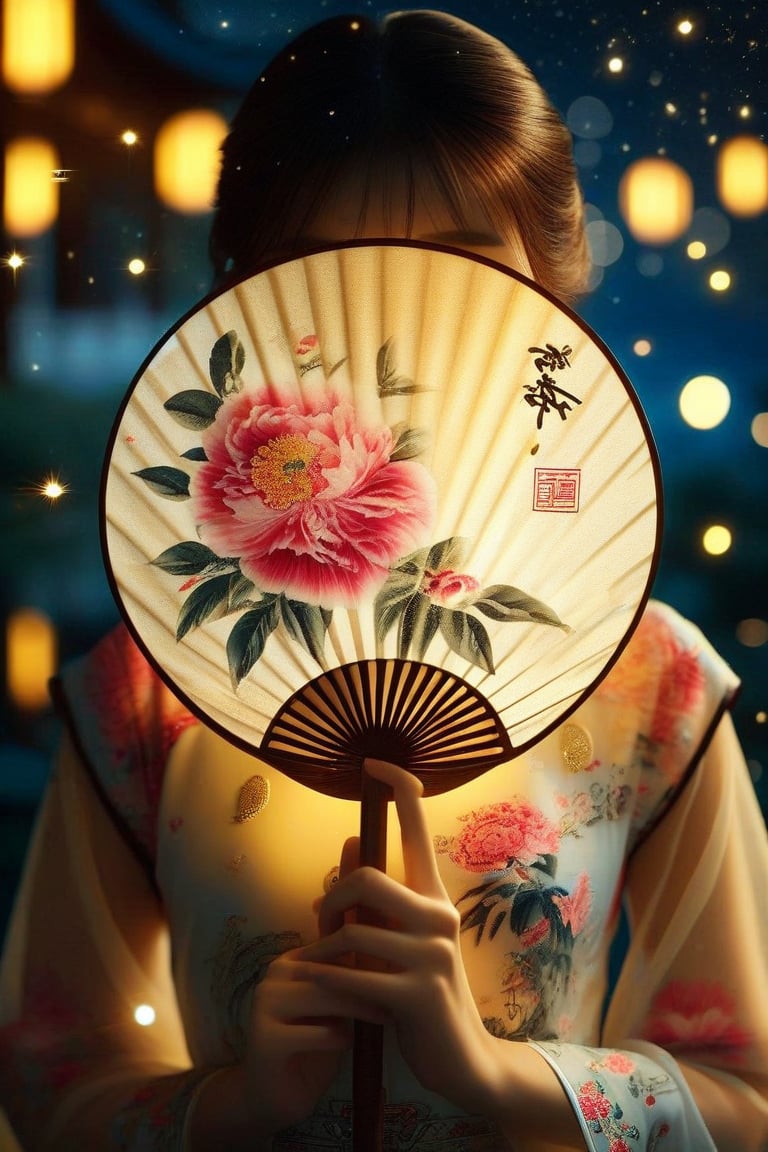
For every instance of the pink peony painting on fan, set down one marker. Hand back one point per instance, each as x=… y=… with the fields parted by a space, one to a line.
x=302 y=507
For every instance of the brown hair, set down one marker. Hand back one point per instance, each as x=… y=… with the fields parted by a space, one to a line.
x=419 y=92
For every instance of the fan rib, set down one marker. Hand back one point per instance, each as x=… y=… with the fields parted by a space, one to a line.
x=414 y=714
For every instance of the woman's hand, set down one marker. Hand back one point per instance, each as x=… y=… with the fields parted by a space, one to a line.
x=412 y=972
x=299 y=1031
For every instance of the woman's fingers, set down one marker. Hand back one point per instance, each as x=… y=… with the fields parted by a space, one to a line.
x=397 y=951
x=392 y=903
x=410 y=906
x=299 y=1004
x=421 y=871
x=350 y=856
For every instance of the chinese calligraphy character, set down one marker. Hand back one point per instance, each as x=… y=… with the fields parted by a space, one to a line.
x=552 y=359
x=546 y=396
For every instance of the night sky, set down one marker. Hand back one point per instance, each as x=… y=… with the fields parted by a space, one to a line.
x=676 y=94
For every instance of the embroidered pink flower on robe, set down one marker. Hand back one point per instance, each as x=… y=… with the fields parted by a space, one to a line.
x=593 y=1102
x=699 y=1014
x=576 y=907
x=499 y=833
x=307 y=498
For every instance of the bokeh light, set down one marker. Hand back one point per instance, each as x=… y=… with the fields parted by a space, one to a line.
x=650 y=264
x=742 y=176
x=656 y=200
x=752 y=632
x=30 y=195
x=187 y=160
x=606 y=242
x=711 y=228
x=759 y=429
x=31 y=649
x=717 y=539
x=704 y=402
x=144 y=1015
x=52 y=488
x=38 y=44
x=589 y=118
x=720 y=280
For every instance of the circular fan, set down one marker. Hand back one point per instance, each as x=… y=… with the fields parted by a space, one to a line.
x=376 y=459
x=384 y=500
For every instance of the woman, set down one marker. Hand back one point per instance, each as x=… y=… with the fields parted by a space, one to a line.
x=155 y=832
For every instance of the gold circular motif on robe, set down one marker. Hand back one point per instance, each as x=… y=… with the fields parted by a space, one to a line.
x=253 y=798
x=576 y=747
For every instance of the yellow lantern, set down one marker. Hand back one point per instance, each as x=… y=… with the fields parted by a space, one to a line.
x=187 y=160
x=742 y=176
x=38 y=44
x=31 y=195
x=30 y=657
x=656 y=200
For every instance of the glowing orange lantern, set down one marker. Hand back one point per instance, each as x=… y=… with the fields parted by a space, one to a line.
x=742 y=176
x=31 y=195
x=656 y=200
x=187 y=160
x=30 y=657
x=38 y=44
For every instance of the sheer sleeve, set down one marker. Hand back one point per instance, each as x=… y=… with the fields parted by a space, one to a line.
x=124 y=722
x=685 y=1062
x=87 y=948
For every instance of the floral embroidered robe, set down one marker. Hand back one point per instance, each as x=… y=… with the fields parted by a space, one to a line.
x=642 y=795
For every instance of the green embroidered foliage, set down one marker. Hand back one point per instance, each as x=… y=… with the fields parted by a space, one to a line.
x=427 y=594
x=389 y=380
x=502 y=602
x=412 y=600
x=193 y=408
x=410 y=442
x=170 y=483
x=225 y=364
x=187 y=559
x=307 y=624
x=213 y=599
x=248 y=637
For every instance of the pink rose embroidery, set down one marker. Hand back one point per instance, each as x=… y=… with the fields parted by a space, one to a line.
x=498 y=834
x=593 y=1102
x=619 y=1063
x=448 y=586
x=307 y=498
x=656 y=664
x=699 y=1014
x=680 y=691
x=575 y=909
x=307 y=344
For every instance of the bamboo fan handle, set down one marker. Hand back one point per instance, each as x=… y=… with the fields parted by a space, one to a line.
x=368 y=1063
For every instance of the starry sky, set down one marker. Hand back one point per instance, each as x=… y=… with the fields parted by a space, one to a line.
x=674 y=93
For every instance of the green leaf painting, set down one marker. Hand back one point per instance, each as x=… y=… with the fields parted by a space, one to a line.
x=171 y=483
x=424 y=597
x=226 y=362
x=193 y=408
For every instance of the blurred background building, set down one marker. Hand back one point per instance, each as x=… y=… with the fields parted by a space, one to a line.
x=112 y=114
